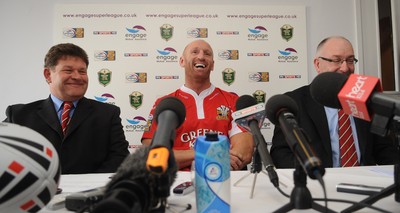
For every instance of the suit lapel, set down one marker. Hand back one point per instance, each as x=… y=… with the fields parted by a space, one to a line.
x=82 y=111
x=317 y=113
x=49 y=115
x=362 y=135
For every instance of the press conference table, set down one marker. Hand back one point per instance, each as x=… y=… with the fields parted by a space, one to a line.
x=266 y=197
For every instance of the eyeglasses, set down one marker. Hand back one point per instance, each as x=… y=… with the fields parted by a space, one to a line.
x=349 y=61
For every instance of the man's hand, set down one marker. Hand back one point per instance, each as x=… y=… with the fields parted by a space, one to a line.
x=184 y=158
x=236 y=161
x=242 y=147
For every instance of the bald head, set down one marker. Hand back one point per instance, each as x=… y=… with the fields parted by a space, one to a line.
x=198 y=42
x=198 y=61
x=331 y=42
x=334 y=55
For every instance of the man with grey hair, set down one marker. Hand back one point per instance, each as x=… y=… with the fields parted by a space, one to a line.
x=320 y=123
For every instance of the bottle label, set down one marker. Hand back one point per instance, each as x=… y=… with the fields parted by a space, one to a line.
x=212 y=164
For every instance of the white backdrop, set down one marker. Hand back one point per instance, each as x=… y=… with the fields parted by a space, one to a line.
x=134 y=51
x=29 y=31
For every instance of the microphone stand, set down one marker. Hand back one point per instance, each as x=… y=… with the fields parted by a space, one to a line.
x=162 y=186
x=256 y=167
x=394 y=188
x=301 y=198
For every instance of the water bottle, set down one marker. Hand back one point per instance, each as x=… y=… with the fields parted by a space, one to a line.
x=212 y=173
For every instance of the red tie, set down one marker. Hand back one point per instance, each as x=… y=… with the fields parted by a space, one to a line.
x=348 y=153
x=65 y=116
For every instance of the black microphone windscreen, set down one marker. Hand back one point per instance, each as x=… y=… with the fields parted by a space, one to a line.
x=276 y=104
x=325 y=88
x=173 y=104
x=245 y=101
x=133 y=185
x=133 y=167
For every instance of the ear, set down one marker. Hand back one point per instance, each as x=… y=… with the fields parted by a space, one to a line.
x=212 y=67
x=46 y=74
x=316 y=65
x=182 y=62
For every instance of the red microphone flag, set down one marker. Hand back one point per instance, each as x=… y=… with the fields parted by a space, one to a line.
x=354 y=95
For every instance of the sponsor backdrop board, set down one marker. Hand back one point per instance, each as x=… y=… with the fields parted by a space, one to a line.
x=134 y=51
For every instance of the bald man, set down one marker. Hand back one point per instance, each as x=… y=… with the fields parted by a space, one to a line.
x=208 y=108
x=334 y=54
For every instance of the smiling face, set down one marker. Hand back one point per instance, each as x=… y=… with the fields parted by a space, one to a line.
x=336 y=49
x=68 y=79
x=197 y=60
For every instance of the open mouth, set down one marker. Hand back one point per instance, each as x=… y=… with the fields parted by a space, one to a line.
x=199 y=65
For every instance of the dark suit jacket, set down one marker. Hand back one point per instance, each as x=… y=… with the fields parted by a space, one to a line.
x=312 y=118
x=94 y=142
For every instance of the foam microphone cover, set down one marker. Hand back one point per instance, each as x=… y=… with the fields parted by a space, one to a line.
x=134 y=167
x=135 y=181
x=325 y=88
x=278 y=104
x=173 y=104
x=245 y=101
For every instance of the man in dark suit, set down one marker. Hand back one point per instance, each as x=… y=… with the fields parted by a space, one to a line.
x=334 y=54
x=94 y=139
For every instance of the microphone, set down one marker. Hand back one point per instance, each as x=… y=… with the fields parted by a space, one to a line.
x=170 y=113
x=359 y=96
x=134 y=189
x=281 y=111
x=250 y=116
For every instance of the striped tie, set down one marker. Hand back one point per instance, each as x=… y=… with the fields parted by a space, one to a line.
x=65 y=116
x=348 y=153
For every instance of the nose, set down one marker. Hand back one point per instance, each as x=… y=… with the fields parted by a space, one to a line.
x=75 y=74
x=201 y=54
x=344 y=67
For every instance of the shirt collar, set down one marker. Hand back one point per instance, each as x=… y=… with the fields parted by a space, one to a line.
x=58 y=102
x=203 y=93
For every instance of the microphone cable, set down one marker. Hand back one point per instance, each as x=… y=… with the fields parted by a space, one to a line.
x=321 y=181
x=282 y=192
x=365 y=205
x=326 y=200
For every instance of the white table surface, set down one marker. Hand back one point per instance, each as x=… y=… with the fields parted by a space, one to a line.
x=266 y=197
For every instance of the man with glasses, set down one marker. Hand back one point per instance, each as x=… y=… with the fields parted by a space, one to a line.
x=334 y=54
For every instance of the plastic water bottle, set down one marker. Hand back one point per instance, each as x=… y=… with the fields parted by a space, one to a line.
x=212 y=176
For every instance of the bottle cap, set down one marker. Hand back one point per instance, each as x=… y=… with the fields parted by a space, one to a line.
x=211 y=136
